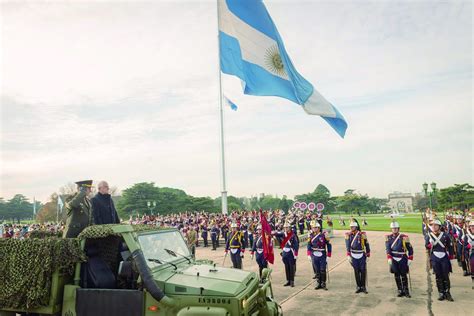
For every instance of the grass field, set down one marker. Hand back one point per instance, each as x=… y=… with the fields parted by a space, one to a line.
x=409 y=223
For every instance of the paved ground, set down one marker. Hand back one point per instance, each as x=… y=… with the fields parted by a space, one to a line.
x=341 y=299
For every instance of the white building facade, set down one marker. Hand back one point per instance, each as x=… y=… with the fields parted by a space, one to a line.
x=400 y=202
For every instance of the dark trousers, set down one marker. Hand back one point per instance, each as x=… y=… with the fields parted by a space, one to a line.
x=214 y=243
x=236 y=260
x=290 y=271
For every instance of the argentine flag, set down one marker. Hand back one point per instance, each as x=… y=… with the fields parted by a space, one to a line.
x=252 y=49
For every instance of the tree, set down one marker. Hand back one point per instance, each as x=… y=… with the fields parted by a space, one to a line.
x=48 y=212
x=459 y=196
x=16 y=209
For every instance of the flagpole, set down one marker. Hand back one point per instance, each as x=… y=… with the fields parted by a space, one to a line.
x=221 y=113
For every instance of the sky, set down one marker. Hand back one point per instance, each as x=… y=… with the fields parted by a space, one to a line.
x=128 y=92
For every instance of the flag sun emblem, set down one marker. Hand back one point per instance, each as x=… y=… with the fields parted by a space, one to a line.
x=273 y=61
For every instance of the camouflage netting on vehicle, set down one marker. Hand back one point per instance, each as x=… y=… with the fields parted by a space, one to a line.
x=27 y=267
x=44 y=234
x=101 y=231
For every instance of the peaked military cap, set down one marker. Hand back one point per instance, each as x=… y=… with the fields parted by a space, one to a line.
x=84 y=183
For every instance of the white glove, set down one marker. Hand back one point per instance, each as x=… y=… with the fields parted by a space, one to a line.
x=366 y=259
x=349 y=259
x=409 y=262
x=296 y=257
x=251 y=257
x=241 y=255
x=327 y=259
x=390 y=262
x=309 y=258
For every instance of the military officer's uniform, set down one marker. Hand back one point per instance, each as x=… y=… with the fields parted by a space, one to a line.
x=290 y=247
x=441 y=252
x=258 y=249
x=399 y=255
x=204 y=232
x=318 y=250
x=358 y=250
x=469 y=247
x=191 y=237
x=458 y=234
x=214 y=236
x=79 y=211
x=236 y=245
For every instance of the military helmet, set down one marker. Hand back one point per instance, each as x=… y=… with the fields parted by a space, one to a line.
x=471 y=223
x=436 y=222
x=286 y=224
x=354 y=224
x=394 y=225
x=259 y=227
x=315 y=224
x=233 y=225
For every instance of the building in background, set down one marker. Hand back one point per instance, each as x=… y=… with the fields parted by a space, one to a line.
x=400 y=202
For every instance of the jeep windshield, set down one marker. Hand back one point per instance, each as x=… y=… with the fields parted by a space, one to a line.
x=154 y=246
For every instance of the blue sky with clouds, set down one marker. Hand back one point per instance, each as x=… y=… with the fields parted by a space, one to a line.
x=127 y=92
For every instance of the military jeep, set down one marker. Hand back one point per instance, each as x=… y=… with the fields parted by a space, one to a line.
x=149 y=271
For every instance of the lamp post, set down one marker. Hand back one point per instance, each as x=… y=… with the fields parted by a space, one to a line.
x=430 y=194
x=151 y=206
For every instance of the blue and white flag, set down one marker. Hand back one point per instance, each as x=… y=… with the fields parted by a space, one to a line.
x=251 y=48
x=231 y=104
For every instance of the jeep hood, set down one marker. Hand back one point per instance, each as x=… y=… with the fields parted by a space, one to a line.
x=205 y=280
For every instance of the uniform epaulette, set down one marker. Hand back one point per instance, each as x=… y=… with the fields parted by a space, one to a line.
x=405 y=238
x=363 y=233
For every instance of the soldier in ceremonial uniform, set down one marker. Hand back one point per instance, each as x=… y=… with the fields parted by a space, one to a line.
x=358 y=250
x=469 y=247
x=290 y=247
x=214 y=236
x=458 y=233
x=319 y=250
x=399 y=256
x=204 y=232
x=257 y=247
x=236 y=244
x=441 y=252
x=79 y=210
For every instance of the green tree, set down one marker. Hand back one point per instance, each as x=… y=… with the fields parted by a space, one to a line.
x=459 y=196
x=16 y=209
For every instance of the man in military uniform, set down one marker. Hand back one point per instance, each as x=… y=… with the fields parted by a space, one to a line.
x=441 y=252
x=458 y=236
x=358 y=250
x=79 y=210
x=290 y=247
x=399 y=256
x=469 y=247
x=204 y=232
x=236 y=244
x=191 y=237
x=319 y=250
x=214 y=236
x=257 y=247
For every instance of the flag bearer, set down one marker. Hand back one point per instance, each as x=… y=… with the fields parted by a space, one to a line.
x=289 y=255
x=257 y=247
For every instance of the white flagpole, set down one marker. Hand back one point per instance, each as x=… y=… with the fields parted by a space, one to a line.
x=221 y=112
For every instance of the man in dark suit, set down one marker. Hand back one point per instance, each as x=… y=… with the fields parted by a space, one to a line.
x=103 y=208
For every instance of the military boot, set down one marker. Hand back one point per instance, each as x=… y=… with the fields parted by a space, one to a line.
x=318 y=281
x=447 y=293
x=357 y=278
x=363 y=275
x=398 y=281
x=406 y=291
x=440 y=286
x=323 y=281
